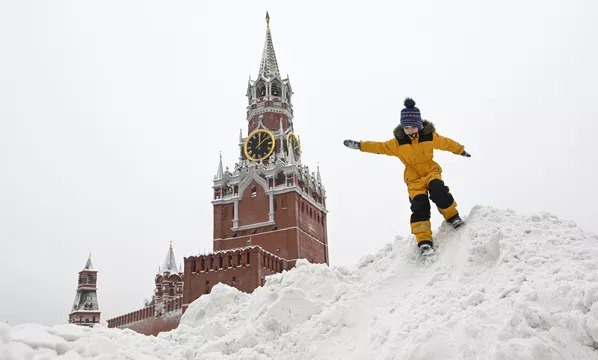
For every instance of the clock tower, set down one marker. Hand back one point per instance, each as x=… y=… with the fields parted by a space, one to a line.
x=271 y=199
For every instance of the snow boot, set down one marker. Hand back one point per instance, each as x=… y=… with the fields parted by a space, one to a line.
x=425 y=248
x=456 y=221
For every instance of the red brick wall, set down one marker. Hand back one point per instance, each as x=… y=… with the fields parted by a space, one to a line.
x=154 y=326
x=144 y=321
x=204 y=271
x=298 y=233
x=282 y=243
x=253 y=209
x=270 y=120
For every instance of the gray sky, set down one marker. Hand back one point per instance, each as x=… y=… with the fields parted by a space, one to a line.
x=112 y=115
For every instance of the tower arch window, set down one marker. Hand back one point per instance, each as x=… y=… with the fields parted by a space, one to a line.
x=261 y=89
x=90 y=279
x=280 y=179
x=276 y=89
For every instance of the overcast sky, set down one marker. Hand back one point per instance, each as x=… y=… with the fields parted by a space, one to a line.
x=112 y=115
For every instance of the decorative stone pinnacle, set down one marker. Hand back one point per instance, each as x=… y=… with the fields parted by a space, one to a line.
x=268 y=20
x=219 y=172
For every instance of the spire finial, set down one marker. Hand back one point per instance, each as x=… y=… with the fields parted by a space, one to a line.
x=171 y=244
x=268 y=20
x=89 y=257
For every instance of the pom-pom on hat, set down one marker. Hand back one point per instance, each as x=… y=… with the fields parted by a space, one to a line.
x=410 y=115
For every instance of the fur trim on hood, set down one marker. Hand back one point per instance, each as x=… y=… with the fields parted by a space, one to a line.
x=427 y=129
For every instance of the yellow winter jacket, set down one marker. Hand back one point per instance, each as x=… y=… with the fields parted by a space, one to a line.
x=416 y=154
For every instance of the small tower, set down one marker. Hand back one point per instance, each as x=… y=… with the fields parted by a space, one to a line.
x=86 y=311
x=169 y=282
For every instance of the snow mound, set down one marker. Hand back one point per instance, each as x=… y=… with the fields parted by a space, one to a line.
x=504 y=286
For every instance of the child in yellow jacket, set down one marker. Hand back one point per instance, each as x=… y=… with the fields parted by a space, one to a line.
x=413 y=143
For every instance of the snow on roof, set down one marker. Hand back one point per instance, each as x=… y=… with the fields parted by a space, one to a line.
x=241 y=249
x=503 y=286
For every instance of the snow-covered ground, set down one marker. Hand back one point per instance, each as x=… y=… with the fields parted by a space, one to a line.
x=504 y=286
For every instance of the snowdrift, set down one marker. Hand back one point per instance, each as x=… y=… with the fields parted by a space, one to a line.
x=504 y=286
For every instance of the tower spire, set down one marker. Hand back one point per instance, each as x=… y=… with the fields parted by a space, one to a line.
x=219 y=174
x=269 y=65
x=170 y=261
x=88 y=265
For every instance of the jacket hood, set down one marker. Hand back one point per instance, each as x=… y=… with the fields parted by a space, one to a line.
x=427 y=129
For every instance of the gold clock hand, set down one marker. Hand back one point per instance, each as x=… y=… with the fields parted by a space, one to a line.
x=260 y=143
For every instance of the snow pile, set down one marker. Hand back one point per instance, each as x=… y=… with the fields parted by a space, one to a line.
x=504 y=286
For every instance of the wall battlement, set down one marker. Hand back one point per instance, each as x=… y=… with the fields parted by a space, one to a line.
x=231 y=259
x=243 y=268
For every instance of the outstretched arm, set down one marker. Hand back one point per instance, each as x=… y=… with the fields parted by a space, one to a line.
x=374 y=147
x=444 y=143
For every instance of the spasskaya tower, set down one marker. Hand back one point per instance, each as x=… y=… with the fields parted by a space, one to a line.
x=271 y=199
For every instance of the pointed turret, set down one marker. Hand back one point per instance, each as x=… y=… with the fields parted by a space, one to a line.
x=88 y=265
x=291 y=156
x=219 y=172
x=269 y=65
x=318 y=176
x=170 y=262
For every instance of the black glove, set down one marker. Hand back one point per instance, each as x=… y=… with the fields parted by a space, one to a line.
x=352 y=144
x=465 y=153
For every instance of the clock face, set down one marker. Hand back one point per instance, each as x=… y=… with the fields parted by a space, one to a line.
x=293 y=143
x=259 y=145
